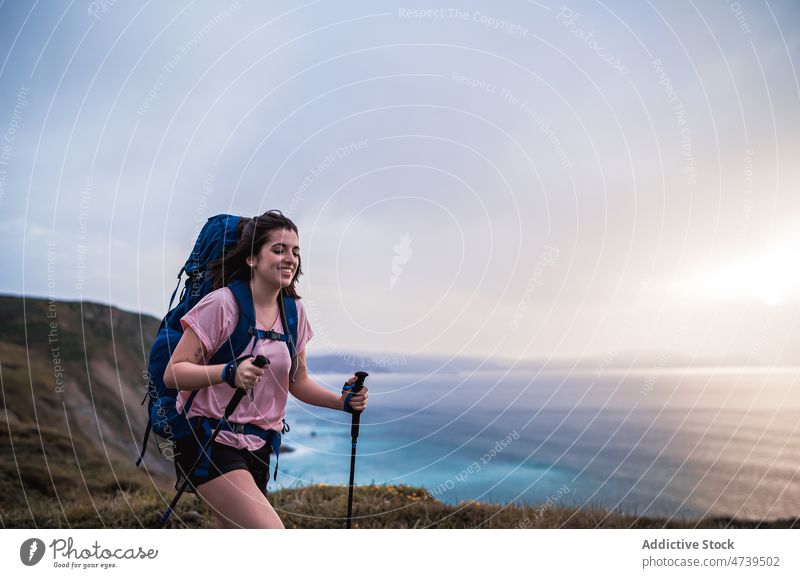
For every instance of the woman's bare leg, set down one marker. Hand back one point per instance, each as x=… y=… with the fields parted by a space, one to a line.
x=238 y=503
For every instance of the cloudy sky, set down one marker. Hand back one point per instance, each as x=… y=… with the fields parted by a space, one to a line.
x=518 y=179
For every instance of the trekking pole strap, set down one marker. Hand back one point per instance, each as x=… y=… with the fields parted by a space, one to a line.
x=229 y=371
x=352 y=389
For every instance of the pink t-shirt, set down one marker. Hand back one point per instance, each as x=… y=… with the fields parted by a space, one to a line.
x=213 y=319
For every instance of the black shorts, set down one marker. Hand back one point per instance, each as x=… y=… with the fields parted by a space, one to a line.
x=224 y=459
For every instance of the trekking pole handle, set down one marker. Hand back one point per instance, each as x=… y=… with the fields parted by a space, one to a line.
x=359 y=383
x=260 y=361
x=353 y=389
x=356 y=419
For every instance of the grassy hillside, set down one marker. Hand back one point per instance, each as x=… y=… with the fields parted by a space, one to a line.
x=71 y=377
x=130 y=505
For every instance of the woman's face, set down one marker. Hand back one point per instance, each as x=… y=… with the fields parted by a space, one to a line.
x=277 y=261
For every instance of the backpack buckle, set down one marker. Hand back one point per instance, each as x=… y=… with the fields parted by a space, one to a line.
x=237 y=428
x=274 y=336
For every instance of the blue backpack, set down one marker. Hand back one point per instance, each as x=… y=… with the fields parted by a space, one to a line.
x=218 y=235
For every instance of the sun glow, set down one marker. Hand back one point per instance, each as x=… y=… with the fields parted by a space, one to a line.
x=772 y=277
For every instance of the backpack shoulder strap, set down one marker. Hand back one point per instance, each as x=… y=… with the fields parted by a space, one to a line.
x=289 y=320
x=245 y=328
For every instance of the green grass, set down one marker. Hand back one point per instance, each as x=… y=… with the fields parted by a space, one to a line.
x=322 y=506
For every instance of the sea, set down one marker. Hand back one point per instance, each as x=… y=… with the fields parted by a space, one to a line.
x=679 y=443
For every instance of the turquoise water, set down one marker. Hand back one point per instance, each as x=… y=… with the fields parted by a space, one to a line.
x=657 y=443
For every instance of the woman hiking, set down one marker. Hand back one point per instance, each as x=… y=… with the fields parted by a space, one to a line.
x=267 y=256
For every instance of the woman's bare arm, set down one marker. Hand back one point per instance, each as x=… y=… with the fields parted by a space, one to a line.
x=187 y=369
x=309 y=391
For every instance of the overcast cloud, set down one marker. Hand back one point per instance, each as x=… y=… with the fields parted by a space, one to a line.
x=519 y=179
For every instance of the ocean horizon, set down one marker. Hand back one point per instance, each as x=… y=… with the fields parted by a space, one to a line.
x=659 y=442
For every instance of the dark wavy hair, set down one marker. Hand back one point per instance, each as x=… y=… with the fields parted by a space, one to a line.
x=253 y=234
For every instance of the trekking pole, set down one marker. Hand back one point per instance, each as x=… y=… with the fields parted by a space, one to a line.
x=357 y=386
x=260 y=361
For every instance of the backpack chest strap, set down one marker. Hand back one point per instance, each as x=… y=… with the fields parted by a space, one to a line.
x=271 y=335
